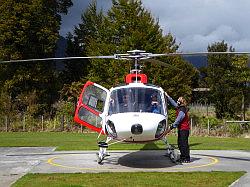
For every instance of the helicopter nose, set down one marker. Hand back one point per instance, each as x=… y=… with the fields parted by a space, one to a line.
x=136 y=129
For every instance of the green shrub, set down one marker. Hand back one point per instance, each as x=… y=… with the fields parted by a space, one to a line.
x=234 y=129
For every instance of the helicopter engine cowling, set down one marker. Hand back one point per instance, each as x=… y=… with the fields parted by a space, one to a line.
x=139 y=78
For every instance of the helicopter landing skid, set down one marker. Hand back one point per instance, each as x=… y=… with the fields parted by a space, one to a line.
x=101 y=154
x=103 y=149
x=172 y=151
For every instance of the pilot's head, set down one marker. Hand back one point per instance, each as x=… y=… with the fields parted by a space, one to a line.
x=154 y=97
x=125 y=98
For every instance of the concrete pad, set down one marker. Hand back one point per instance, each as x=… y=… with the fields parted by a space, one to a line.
x=14 y=167
x=16 y=162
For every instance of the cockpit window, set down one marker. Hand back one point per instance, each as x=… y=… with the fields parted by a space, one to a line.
x=135 y=100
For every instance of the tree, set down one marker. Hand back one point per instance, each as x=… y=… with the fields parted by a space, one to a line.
x=78 y=42
x=30 y=29
x=242 y=77
x=222 y=80
x=128 y=25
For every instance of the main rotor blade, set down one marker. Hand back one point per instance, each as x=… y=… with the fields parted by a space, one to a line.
x=133 y=55
x=61 y=58
x=198 y=53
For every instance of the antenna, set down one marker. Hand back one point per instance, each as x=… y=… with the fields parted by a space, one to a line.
x=136 y=66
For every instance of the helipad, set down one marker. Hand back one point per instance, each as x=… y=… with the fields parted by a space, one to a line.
x=128 y=161
x=16 y=162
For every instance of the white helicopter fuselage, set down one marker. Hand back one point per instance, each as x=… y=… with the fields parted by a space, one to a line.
x=137 y=120
x=123 y=123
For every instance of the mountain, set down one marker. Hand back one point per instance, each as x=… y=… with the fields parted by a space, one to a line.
x=61 y=47
x=197 y=61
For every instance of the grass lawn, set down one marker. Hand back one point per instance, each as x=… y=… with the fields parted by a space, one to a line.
x=199 y=179
x=88 y=141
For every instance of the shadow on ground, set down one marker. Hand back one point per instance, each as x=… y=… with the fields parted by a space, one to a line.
x=145 y=159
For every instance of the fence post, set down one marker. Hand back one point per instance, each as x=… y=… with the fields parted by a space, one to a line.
x=54 y=123
x=42 y=123
x=6 y=124
x=208 y=126
x=62 y=123
x=23 y=122
x=191 y=121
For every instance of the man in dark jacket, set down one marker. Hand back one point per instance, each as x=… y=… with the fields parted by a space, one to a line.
x=182 y=123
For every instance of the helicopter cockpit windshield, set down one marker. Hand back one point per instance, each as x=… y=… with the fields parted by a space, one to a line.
x=135 y=99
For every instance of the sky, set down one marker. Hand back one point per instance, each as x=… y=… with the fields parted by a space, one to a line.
x=194 y=23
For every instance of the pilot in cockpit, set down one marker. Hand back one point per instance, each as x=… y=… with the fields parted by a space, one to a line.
x=155 y=105
x=125 y=103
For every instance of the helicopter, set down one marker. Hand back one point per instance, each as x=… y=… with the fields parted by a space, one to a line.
x=132 y=113
x=135 y=112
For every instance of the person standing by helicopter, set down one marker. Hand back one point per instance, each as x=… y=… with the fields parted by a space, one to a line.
x=182 y=123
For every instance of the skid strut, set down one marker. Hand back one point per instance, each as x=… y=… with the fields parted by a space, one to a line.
x=172 y=151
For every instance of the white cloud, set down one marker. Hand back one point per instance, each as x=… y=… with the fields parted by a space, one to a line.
x=197 y=23
x=198 y=41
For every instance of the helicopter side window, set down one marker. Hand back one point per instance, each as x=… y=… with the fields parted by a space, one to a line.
x=94 y=97
x=92 y=102
x=89 y=117
x=95 y=103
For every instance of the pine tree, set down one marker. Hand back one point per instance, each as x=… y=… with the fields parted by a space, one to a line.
x=128 y=26
x=78 y=42
x=242 y=82
x=221 y=80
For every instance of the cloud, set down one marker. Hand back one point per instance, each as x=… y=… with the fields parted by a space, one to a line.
x=194 y=23
x=197 y=23
x=223 y=32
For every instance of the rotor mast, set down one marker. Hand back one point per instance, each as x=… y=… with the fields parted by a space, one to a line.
x=135 y=74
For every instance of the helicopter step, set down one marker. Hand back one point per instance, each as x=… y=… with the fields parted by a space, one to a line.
x=103 y=145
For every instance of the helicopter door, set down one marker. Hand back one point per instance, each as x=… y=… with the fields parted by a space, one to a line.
x=90 y=105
